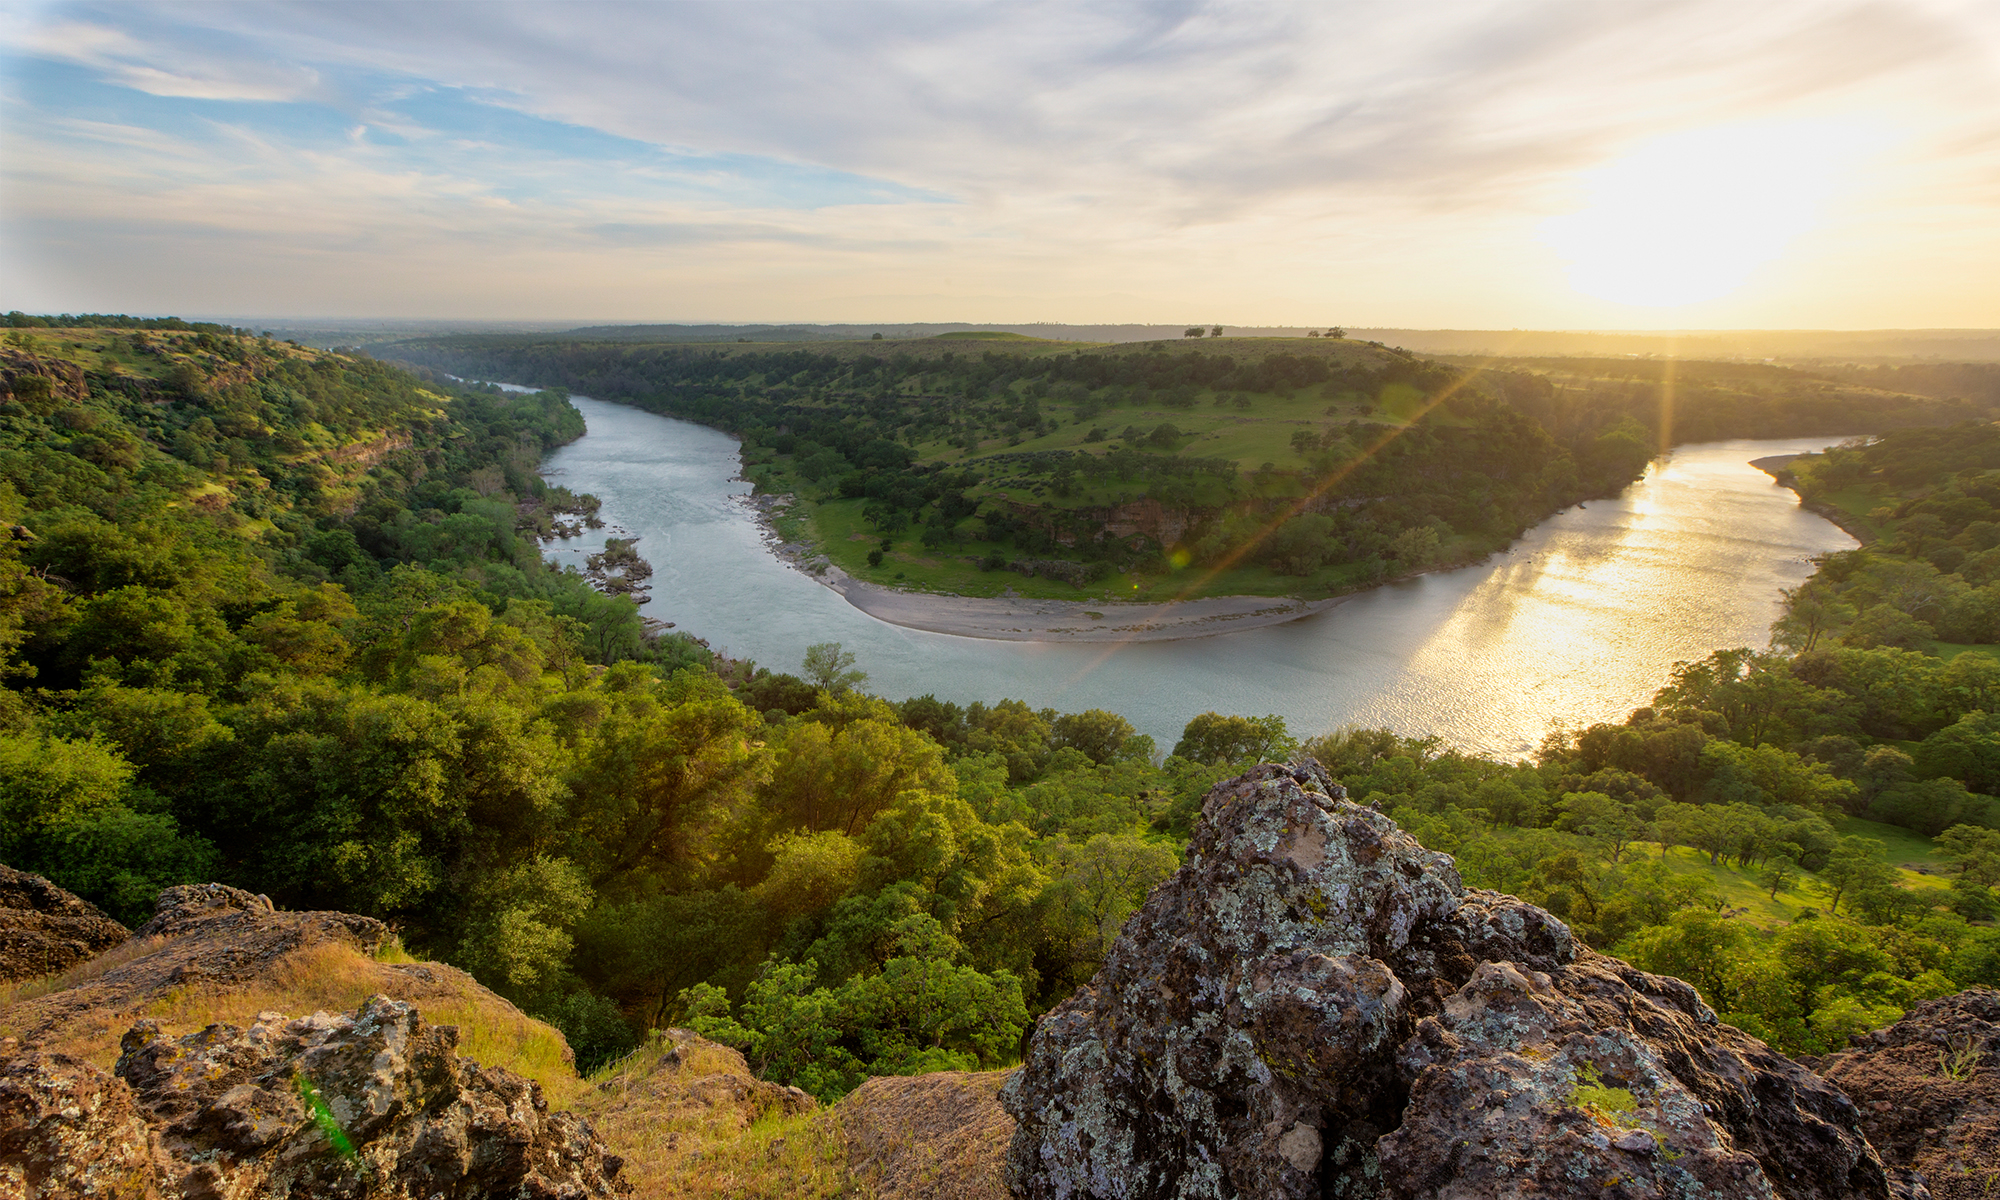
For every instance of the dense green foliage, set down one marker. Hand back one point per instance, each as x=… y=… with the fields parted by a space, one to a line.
x=279 y=618
x=1252 y=466
x=275 y=618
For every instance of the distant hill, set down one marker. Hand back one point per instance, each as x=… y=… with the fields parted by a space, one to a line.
x=1857 y=347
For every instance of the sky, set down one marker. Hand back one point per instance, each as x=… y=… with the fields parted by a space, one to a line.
x=1618 y=164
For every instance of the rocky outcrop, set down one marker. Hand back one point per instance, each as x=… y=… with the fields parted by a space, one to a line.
x=213 y=953
x=377 y=1103
x=44 y=929
x=941 y=1136
x=69 y=1129
x=1315 y=1005
x=1929 y=1092
x=681 y=1071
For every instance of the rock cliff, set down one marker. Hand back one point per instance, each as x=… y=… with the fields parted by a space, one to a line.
x=1315 y=1005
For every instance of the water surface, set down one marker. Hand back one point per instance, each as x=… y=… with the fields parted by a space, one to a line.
x=1578 y=622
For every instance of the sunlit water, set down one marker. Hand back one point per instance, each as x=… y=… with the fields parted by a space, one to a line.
x=1579 y=622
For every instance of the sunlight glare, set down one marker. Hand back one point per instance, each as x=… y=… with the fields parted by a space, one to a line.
x=1688 y=217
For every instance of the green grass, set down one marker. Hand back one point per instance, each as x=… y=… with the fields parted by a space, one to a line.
x=1250 y=436
x=1946 y=651
x=1855 y=504
x=846 y=538
x=1904 y=850
x=1741 y=888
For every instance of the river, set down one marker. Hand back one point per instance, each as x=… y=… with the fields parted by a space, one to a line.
x=1579 y=622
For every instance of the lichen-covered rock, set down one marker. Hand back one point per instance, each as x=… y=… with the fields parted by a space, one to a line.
x=1599 y=1076
x=44 y=929
x=1316 y=1005
x=69 y=1130
x=377 y=1103
x=1928 y=1088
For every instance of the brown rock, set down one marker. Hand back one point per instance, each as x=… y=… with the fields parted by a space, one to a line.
x=929 y=1137
x=1928 y=1088
x=69 y=1130
x=1316 y=1005
x=377 y=1103
x=44 y=929
x=209 y=939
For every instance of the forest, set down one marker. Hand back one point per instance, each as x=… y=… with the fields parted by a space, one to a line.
x=1166 y=470
x=278 y=618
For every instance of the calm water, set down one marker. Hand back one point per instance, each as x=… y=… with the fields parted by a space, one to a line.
x=1578 y=623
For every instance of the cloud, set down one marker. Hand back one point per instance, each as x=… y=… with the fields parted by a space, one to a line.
x=1253 y=154
x=154 y=68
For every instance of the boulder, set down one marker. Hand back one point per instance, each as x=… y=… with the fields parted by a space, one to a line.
x=1928 y=1088
x=1317 y=1005
x=68 y=1129
x=374 y=1103
x=44 y=929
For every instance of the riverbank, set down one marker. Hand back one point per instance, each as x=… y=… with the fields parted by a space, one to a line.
x=1027 y=618
x=1779 y=467
x=1020 y=619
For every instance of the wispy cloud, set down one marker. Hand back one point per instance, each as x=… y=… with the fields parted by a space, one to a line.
x=1350 y=161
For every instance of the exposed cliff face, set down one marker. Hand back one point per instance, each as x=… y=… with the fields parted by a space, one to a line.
x=1316 y=1005
x=44 y=929
x=1929 y=1092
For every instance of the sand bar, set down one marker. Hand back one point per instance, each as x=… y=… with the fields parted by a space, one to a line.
x=1019 y=619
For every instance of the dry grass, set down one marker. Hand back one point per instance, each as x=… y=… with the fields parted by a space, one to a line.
x=941 y=1136
x=683 y=1140
x=82 y=1013
x=678 y=1143
x=83 y=972
x=781 y=1158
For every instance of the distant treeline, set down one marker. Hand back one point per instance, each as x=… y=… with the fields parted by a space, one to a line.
x=1684 y=402
x=20 y=320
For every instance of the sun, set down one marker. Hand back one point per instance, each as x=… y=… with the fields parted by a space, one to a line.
x=1689 y=217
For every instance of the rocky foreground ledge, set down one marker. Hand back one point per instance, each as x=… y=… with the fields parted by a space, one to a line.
x=1315 y=1005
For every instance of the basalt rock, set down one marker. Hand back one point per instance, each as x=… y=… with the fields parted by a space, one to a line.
x=1929 y=1092
x=377 y=1103
x=1315 y=1005
x=44 y=929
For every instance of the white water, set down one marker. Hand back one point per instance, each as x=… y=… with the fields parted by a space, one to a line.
x=1578 y=623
